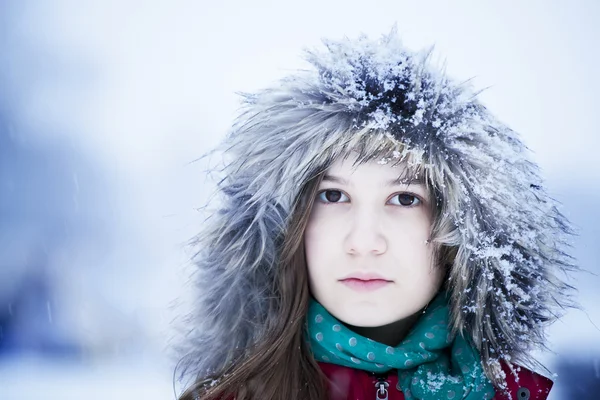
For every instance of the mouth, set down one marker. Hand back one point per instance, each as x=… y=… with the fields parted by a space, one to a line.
x=365 y=285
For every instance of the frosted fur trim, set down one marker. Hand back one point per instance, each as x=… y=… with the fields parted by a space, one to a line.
x=507 y=282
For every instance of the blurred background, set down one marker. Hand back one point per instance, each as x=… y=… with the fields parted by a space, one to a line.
x=105 y=105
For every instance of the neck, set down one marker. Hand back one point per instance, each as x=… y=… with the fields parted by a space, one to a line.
x=390 y=334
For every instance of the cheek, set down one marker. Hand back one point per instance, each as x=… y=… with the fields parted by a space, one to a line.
x=320 y=230
x=322 y=249
x=415 y=258
x=409 y=237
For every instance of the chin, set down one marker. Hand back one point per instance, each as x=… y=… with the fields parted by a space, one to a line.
x=368 y=315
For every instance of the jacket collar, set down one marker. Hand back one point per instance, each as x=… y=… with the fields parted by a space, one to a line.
x=350 y=383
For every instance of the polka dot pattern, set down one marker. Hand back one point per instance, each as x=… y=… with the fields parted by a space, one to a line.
x=421 y=356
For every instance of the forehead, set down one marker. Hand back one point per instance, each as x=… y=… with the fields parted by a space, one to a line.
x=380 y=169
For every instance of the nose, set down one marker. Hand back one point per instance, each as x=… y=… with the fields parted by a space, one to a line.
x=365 y=235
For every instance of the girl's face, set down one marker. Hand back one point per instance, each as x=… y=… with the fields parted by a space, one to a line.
x=365 y=243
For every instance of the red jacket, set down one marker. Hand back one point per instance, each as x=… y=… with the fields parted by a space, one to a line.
x=354 y=384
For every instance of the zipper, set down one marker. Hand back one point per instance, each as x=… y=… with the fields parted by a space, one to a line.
x=381 y=387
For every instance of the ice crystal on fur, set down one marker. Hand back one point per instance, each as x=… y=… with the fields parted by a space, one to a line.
x=507 y=280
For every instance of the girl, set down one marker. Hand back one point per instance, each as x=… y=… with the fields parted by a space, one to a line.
x=380 y=235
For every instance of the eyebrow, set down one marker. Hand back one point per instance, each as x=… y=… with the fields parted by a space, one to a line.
x=394 y=182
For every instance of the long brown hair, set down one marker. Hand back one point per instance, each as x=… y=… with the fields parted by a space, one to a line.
x=281 y=365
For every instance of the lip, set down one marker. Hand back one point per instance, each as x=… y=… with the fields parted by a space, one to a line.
x=366 y=276
x=365 y=282
x=365 y=286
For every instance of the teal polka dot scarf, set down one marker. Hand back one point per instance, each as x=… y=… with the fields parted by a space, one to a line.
x=431 y=364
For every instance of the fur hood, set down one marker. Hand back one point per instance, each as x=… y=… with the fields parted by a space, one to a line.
x=507 y=281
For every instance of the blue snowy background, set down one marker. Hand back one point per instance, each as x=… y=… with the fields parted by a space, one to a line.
x=104 y=106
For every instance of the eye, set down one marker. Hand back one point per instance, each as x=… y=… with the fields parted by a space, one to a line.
x=330 y=196
x=407 y=199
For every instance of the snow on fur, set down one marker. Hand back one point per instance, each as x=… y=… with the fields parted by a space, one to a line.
x=507 y=281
